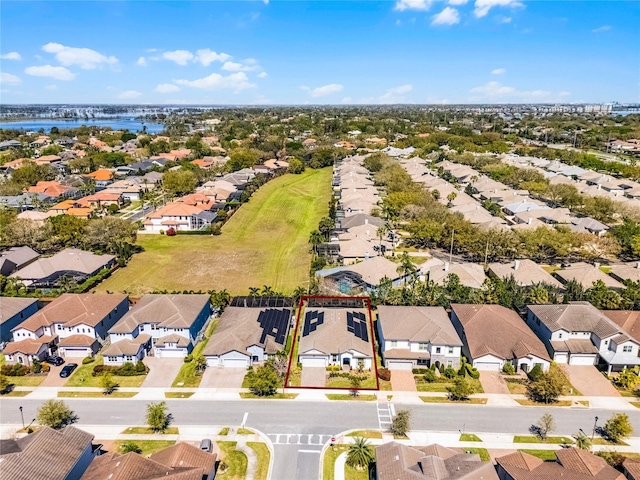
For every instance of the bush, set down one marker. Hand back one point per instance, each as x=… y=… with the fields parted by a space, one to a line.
x=87 y=360
x=460 y=390
x=333 y=368
x=473 y=372
x=36 y=366
x=449 y=372
x=16 y=370
x=419 y=371
x=429 y=376
x=508 y=369
x=141 y=367
x=188 y=358
x=384 y=374
x=170 y=232
x=535 y=373
x=127 y=369
x=130 y=446
x=45 y=368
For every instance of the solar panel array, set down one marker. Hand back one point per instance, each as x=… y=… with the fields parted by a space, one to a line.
x=357 y=324
x=311 y=321
x=274 y=323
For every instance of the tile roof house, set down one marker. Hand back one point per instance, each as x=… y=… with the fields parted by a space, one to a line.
x=570 y=464
x=626 y=271
x=247 y=335
x=16 y=258
x=525 y=272
x=179 y=318
x=470 y=274
x=69 y=263
x=55 y=189
x=494 y=335
x=396 y=461
x=364 y=276
x=30 y=349
x=47 y=453
x=586 y=274
x=179 y=216
x=577 y=333
x=357 y=220
x=335 y=336
x=412 y=336
x=13 y=311
x=627 y=320
x=631 y=468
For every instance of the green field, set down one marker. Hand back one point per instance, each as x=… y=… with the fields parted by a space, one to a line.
x=264 y=243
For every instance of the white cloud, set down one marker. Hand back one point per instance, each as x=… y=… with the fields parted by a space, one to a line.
x=51 y=87
x=266 y=2
x=448 y=16
x=167 y=88
x=11 y=56
x=142 y=62
x=402 y=5
x=498 y=71
x=482 y=7
x=395 y=95
x=458 y=2
x=262 y=75
x=494 y=91
x=59 y=73
x=238 y=67
x=326 y=90
x=206 y=57
x=128 y=95
x=236 y=82
x=181 y=57
x=504 y=19
x=604 y=28
x=85 y=58
x=8 y=79
x=347 y=100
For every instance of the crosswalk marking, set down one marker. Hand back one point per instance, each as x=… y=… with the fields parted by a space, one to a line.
x=384 y=415
x=299 y=438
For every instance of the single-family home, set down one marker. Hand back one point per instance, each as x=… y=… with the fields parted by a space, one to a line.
x=417 y=336
x=7 y=144
x=588 y=224
x=631 y=468
x=577 y=333
x=246 y=335
x=70 y=263
x=102 y=178
x=336 y=336
x=626 y=271
x=127 y=350
x=30 y=349
x=55 y=189
x=16 y=258
x=397 y=461
x=627 y=320
x=494 y=335
x=525 y=272
x=470 y=274
x=173 y=322
x=586 y=275
x=365 y=275
x=13 y=311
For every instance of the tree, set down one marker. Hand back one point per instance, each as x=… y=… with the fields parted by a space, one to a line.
x=583 y=442
x=110 y=234
x=157 y=417
x=130 y=446
x=296 y=166
x=617 y=427
x=354 y=382
x=360 y=454
x=460 y=390
x=242 y=158
x=547 y=388
x=451 y=197
x=536 y=372
x=179 y=182
x=55 y=414
x=4 y=384
x=401 y=423
x=200 y=363
x=264 y=381
x=601 y=297
x=109 y=385
x=545 y=426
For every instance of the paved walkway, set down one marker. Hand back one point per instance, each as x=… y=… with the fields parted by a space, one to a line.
x=341 y=461
x=402 y=381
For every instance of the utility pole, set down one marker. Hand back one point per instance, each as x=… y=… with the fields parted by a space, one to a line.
x=486 y=254
x=451 y=250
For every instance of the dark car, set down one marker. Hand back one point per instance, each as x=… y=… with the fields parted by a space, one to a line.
x=68 y=369
x=57 y=361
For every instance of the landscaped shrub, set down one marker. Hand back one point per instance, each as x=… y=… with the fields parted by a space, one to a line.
x=535 y=373
x=170 y=232
x=333 y=368
x=419 y=371
x=127 y=369
x=472 y=371
x=16 y=370
x=188 y=358
x=37 y=366
x=141 y=367
x=508 y=369
x=44 y=368
x=384 y=374
x=87 y=360
x=429 y=376
x=449 y=372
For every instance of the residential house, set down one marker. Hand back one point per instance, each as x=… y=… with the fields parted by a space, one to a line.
x=577 y=333
x=35 y=216
x=179 y=216
x=16 y=258
x=571 y=464
x=397 y=461
x=102 y=178
x=30 y=349
x=627 y=320
x=359 y=219
x=130 y=188
x=27 y=201
x=470 y=274
x=100 y=200
x=626 y=271
x=631 y=467
x=47 y=453
x=71 y=207
x=245 y=336
x=40 y=142
x=55 y=189
x=363 y=276
x=13 y=311
x=417 y=336
x=588 y=225
x=71 y=264
x=586 y=275
x=7 y=144
x=494 y=335
x=525 y=272
x=173 y=322
x=127 y=350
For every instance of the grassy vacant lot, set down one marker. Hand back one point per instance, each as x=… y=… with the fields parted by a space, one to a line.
x=264 y=243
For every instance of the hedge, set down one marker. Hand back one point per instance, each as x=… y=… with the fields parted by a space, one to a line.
x=16 y=370
x=127 y=369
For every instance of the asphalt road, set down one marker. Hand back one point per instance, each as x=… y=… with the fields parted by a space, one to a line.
x=297 y=456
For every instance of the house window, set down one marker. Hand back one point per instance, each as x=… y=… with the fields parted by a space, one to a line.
x=450 y=350
x=627 y=349
x=559 y=335
x=334 y=358
x=423 y=346
x=449 y=363
x=129 y=358
x=393 y=344
x=423 y=361
x=438 y=349
x=113 y=359
x=606 y=342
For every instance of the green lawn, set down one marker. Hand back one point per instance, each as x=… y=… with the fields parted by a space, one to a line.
x=328 y=467
x=264 y=243
x=148 y=446
x=224 y=431
x=546 y=455
x=27 y=380
x=178 y=394
x=342 y=382
x=16 y=393
x=470 y=437
x=188 y=377
x=471 y=401
x=604 y=441
x=235 y=460
x=534 y=439
x=442 y=386
x=264 y=457
x=531 y=403
x=245 y=431
x=81 y=394
x=346 y=396
x=148 y=431
x=83 y=377
x=366 y=434
x=277 y=396
x=483 y=452
x=516 y=387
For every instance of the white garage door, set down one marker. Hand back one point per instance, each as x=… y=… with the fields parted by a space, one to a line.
x=560 y=357
x=581 y=360
x=400 y=365
x=235 y=362
x=75 y=352
x=314 y=362
x=167 y=353
x=492 y=366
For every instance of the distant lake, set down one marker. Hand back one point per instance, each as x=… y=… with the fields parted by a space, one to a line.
x=121 y=123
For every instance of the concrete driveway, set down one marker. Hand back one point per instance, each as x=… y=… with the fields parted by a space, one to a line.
x=162 y=371
x=53 y=378
x=492 y=382
x=402 y=381
x=589 y=381
x=313 y=376
x=223 y=377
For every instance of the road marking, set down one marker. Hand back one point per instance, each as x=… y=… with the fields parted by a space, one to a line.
x=312 y=439
x=244 y=419
x=384 y=415
x=309 y=451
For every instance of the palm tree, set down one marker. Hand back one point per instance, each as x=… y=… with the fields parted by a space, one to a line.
x=406 y=266
x=315 y=239
x=583 y=442
x=254 y=292
x=360 y=454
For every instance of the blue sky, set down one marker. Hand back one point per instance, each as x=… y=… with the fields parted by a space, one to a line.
x=329 y=52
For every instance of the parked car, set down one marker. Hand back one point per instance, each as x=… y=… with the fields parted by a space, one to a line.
x=55 y=360
x=68 y=369
x=206 y=445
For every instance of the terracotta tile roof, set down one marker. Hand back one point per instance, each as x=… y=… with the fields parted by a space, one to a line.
x=46 y=453
x=10 y=306
x=632 y=468
x=126 y=346
x=77 y=341
x=175 y=209
x=417 y=324
x=28 y=346
x=184 y=455
x=101 y=175
x=52 y=188
x=496 y=330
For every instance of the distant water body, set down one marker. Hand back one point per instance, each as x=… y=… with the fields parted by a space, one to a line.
x=121 y=123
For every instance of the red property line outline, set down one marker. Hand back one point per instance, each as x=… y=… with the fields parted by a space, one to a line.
x=297 y=330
